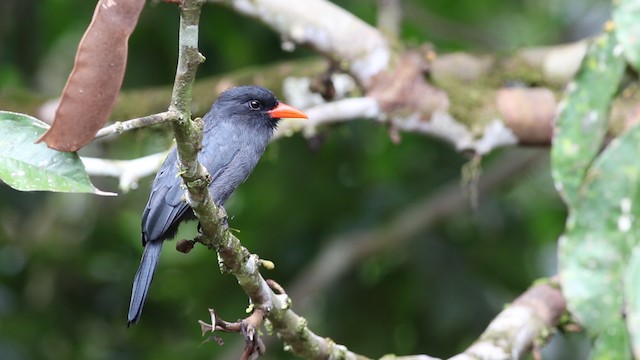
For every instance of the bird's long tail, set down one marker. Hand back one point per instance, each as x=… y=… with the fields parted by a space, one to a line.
x=143 y=279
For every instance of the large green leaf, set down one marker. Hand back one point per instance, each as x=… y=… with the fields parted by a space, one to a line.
x=632 y=299
x=601 y=233
x=626 y=14
x=27 y=166
x=582 y=122
x=612 y=344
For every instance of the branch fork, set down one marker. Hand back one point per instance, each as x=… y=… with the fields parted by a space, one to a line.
x=248 y=327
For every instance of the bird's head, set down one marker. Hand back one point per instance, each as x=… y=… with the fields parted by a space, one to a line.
x=254 y=104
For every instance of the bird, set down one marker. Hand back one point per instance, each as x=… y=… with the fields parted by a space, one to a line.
x=236 y=131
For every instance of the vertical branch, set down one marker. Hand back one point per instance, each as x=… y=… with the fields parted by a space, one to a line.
x=188 y=60
x=188 y=133
x=389 y=18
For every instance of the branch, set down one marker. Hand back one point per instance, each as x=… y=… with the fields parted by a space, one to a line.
x=188 y=134
x=342 y=252
x=476 y=89
x=329 y=113
x=127 y=171
x=121 y=126
x=390 y=18
x=475 y=84
x=442 y=126
x=249 y=328
x=522 y=326
x=234 y=258
x=328 y=29
x=476 y=96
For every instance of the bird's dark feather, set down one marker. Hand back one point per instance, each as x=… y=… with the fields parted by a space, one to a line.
x=234 y=139
x=142 y=280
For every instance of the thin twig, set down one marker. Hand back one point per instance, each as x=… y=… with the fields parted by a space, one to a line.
x=122 y=126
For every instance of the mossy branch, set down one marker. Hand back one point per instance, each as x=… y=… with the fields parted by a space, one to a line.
x=234 y=258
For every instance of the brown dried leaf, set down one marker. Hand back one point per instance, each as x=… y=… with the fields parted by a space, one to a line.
x=94 y=82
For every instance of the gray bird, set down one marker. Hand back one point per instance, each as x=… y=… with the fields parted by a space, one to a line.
x=235 y=134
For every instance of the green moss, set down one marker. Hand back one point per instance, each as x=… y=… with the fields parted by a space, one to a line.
x=471 y=103
x=516 y=70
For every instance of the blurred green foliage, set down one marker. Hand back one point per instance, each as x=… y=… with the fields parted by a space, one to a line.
x=67 y=261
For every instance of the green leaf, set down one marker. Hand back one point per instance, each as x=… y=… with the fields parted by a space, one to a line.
x=632 y=297
x=613 y=344
x=582 y=122
x=27 y=166
x=626 y=14
x=601 y=232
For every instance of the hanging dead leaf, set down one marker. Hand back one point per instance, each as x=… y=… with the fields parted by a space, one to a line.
x=94 y=82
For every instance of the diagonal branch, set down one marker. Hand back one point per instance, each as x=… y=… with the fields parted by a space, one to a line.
x=522 y=326
x=234 y=258
x=325 y=27
x=530 y=317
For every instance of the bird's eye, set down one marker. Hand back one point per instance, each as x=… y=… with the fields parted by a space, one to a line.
x=254 y=105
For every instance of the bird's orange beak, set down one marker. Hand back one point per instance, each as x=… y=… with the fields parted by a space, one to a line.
x=286 y=111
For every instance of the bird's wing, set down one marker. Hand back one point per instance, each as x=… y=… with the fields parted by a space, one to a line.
x=166 y=208
x=221 y=156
